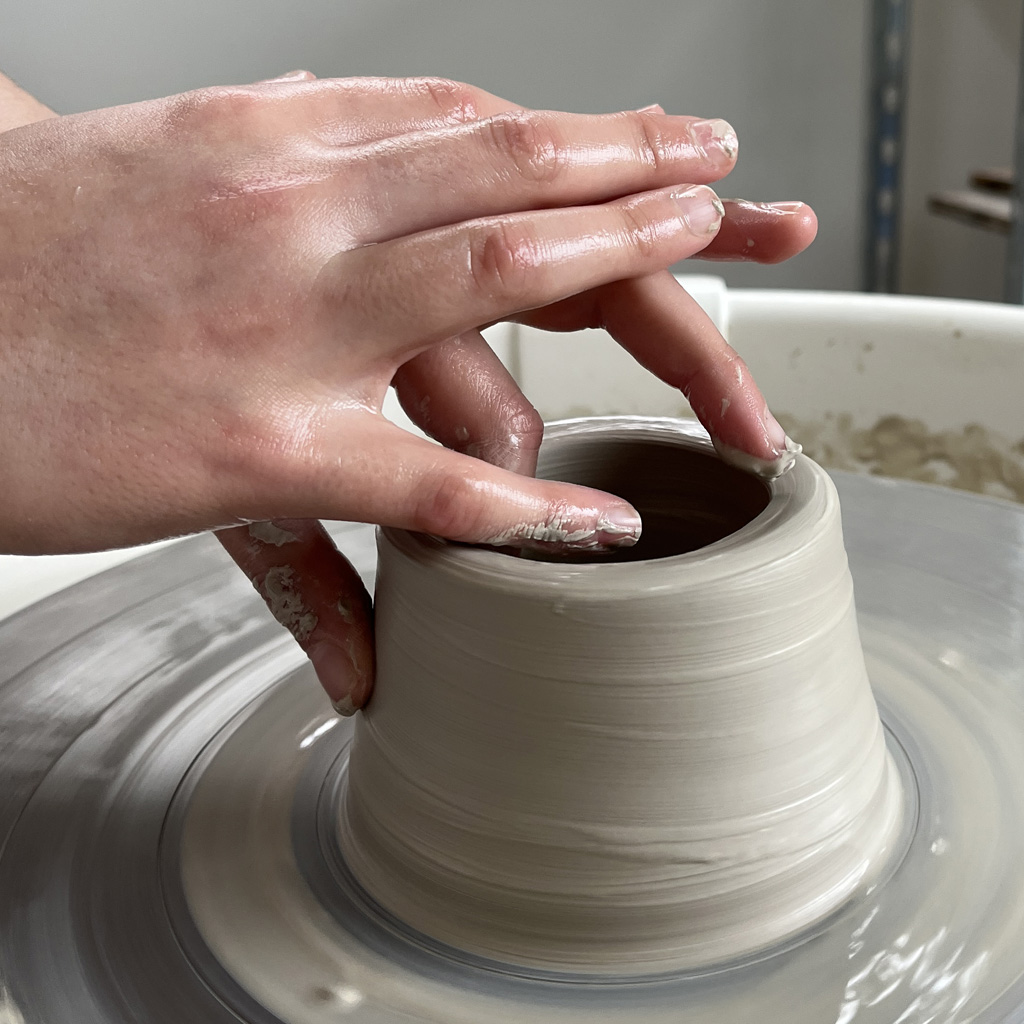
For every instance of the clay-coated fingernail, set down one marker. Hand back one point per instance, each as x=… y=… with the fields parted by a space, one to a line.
x=345 y=706
x=293 y=76
x=774 y=432
x=651 y=108
x=701 y=208
x=337 y=675
x=779 y=207
x=715 y=136
x=619 y=528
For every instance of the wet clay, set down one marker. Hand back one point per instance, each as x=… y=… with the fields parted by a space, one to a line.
x=662 y=761
x=939 y=942
x=971 y=458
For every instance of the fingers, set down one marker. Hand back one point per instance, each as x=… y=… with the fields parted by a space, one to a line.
x=416 y=291
x=461 y=395
x=762 y=232
x=414 y=484
x=524 y=159
x=666 y=331
x=314 y=592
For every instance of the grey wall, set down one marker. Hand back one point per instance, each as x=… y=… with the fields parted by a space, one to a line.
x=789 y=74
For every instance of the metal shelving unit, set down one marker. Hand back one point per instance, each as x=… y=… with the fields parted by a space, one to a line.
x=890 y=25
x=993 y=201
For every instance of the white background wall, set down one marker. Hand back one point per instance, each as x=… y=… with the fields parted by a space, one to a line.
x=791 y=75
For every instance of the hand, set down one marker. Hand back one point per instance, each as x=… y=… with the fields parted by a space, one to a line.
x=203 y=300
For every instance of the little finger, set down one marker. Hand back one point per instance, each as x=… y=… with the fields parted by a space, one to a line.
x=762 y=232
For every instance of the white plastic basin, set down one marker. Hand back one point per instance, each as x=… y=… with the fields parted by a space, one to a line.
x=926 y=389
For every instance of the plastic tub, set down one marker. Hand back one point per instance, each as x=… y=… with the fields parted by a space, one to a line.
x=923 y=389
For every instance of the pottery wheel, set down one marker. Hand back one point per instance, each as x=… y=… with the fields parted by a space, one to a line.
x=170 y=772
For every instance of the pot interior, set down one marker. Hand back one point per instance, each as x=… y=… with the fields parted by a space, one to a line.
x=687 y=497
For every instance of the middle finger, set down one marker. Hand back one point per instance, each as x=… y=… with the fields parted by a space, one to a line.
x=526 y=160
x=460 y=394
x=488 y=269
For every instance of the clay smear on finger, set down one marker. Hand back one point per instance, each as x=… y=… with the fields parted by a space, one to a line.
x=280 y=591
x=270 y=533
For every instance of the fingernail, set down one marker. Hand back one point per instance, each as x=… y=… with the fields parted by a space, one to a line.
x=715 y=135
x=774 y=432
x=652 y=108
x=337 y=675
x=345 y=706
x=619 y=528
x=778 y=465
x=784 y=207
x=701 y=208
x=292 y=76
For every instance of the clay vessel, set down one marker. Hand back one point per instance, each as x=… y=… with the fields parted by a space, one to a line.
x=660 y=761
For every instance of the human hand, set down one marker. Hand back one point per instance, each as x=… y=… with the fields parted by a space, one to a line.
x=204 y=299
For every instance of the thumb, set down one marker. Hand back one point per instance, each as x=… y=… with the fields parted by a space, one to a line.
x=315 y=593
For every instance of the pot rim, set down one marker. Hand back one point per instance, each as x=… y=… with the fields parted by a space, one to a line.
x=798 y=511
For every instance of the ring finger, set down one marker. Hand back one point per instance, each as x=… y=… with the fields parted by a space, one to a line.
x=526 y=159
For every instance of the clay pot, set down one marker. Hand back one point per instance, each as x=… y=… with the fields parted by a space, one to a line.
x=664 y=760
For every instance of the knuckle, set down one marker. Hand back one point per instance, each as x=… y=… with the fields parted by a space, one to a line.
x=229 y=206
x=524 y=428
x=514 y=438
x=218 y=106
x=734 y=367
x=529 y=143
x=650 y=142
x=502 y=258
x=641 y=230
x=455 y=101
x=258 y=462
x=723 y=372
x=515 y=441
x=244 y=462
x=446 y=505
